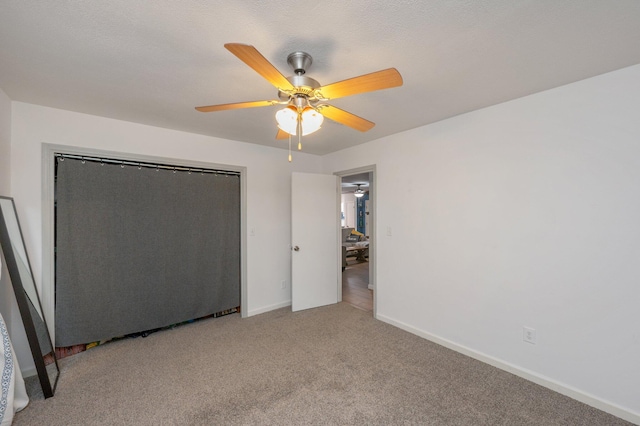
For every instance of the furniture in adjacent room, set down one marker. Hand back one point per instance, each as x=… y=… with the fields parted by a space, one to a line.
x=353 y=245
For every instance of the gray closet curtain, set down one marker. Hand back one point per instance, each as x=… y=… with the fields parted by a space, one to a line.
x=142 y=248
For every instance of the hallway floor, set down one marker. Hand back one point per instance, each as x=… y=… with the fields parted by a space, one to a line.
x=355 y=281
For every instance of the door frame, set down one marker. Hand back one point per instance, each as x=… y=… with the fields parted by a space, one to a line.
x=373 y=260
x=48 y=217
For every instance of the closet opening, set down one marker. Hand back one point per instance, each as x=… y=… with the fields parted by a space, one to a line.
x=141 y=246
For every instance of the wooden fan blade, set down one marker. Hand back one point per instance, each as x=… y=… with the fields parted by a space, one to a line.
x=378 y=80
x=282 y=134
x=250 y=56
x=237 y=105
x=346 y=118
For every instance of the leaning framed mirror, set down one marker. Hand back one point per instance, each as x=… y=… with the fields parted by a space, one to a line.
x=24 y=287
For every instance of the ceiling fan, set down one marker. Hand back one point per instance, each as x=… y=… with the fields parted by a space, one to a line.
x=304 y=99
x=359 y=193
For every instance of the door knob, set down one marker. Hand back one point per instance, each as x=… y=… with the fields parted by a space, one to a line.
x=296 y=248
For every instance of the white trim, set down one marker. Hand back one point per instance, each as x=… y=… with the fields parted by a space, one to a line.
x=29 y=372
x=338 y=235
x=269 y=308
x=48 y=151
x=541 y=380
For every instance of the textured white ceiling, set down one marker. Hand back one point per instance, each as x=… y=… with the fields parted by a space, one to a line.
x=152 y=62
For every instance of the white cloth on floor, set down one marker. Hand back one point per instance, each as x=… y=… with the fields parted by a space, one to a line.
x=13 y=394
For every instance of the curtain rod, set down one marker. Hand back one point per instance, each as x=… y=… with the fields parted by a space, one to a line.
x=141 y=164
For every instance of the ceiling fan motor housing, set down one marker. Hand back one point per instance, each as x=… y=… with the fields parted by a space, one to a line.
x=303 y=86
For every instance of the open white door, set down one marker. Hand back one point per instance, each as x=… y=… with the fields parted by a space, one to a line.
x=314 y=239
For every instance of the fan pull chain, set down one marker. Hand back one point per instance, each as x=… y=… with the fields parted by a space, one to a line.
x=289 y=147
x=299 y=132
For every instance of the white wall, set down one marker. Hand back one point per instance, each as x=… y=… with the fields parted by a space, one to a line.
x=349 y=210
x=268 y=183
x=5 y=144
x=6 y=294
x=522 y=214
x=8 y=304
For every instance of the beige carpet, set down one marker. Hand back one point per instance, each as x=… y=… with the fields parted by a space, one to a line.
x=334 y=365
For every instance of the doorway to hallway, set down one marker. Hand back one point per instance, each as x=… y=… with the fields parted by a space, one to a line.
x=358 y=237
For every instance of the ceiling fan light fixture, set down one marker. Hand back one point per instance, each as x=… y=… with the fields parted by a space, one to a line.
x=311 y=121
x=359 y=192
x=287 y=119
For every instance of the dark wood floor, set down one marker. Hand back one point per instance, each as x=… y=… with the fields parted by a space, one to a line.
x=355 y=281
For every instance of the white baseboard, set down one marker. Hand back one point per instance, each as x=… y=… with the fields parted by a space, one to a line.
x=547 y=382
x=28 y=372
x=268 y=308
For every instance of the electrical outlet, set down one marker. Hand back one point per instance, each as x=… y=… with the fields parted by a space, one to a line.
x=529 y=335
x=283 y=284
